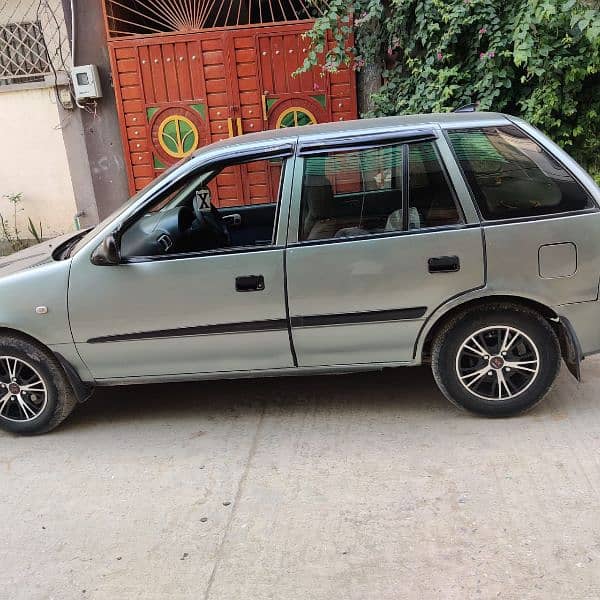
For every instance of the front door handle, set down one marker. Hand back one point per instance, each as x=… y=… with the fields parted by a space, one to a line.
x=250 y=283
x=444 y=264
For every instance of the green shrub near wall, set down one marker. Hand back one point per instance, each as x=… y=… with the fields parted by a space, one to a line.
x=539 y=59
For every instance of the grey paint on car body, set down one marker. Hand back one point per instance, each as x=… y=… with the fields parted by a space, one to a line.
x=384 y=273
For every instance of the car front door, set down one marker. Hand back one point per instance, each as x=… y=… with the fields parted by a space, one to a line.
x=377 y=241
x=216 y=310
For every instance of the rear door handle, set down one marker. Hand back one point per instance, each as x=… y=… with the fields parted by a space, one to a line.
x=444 y=264
x=250 y=283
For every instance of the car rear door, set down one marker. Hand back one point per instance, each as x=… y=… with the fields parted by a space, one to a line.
x=377 y=240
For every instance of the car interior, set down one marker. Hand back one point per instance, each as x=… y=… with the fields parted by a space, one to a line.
x=512 y=176
x=330 y=210
x=188 y=220
x=345 y=194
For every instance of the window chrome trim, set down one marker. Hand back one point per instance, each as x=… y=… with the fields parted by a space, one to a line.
x=498 y=122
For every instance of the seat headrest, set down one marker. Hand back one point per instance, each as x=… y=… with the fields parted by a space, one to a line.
x=319 y=196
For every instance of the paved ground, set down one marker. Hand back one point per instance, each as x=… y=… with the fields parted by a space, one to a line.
x=350 y=487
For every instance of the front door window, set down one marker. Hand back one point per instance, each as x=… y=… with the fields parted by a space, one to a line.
x=191 y=217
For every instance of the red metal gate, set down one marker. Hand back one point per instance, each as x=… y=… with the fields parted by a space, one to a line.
x=177 y=92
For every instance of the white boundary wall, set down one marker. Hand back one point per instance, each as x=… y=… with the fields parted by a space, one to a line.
x=33 y=161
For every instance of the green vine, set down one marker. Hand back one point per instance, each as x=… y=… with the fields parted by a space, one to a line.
x=539 y=59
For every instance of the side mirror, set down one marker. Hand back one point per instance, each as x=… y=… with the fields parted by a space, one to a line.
x=107 y=253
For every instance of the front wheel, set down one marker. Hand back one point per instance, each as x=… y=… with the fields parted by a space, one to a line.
x=496 y=361
x=35 y=396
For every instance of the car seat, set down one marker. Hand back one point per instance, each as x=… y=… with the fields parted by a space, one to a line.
x=394 y=222
x=318 y=222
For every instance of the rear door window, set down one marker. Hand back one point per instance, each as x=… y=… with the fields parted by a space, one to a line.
x=347 y=194
x=511 y=175
x=375 y=191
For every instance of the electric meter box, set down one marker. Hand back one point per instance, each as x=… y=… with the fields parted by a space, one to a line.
x=86 y=82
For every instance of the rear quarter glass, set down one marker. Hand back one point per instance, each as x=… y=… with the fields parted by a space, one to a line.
x=512 y=176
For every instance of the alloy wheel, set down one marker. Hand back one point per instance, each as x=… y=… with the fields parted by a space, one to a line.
x=23 y=393
x=497 y=363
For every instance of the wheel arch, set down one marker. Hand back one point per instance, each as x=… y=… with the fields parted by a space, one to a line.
x=82 y=390
x=569 y=344
x=18 y=333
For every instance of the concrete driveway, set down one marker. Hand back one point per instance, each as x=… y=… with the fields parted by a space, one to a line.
x=347 y=487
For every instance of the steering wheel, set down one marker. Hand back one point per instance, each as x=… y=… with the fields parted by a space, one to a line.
x=212 y=219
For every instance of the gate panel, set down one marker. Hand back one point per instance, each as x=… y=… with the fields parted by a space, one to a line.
x=157 y=81
x=130 y=104
x=280 y=56
x=228 y=187
x=217 y=96
x=196 y=58
x=182 y=65
x=248 y=83
x=177 y=92
x=343 y=96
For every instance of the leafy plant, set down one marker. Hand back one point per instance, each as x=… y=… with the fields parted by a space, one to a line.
x=36 y=233
x=10 y=228
x=539 y=59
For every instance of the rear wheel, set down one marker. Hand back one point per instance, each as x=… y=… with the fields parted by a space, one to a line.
x=35 y=396
x=496 y=361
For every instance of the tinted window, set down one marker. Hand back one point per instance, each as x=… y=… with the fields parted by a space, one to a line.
x=348 y=194
x=512 y=176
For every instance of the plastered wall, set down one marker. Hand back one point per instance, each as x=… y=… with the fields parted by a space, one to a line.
x=33 y=161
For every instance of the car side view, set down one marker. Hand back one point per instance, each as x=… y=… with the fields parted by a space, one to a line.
x=469 y=241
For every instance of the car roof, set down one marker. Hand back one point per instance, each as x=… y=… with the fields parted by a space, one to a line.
x=312 y=133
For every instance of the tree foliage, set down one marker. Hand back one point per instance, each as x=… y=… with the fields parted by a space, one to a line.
x=539 y=59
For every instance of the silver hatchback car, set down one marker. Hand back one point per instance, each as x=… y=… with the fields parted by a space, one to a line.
x=468 y=241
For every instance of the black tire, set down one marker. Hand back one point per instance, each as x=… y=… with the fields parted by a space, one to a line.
x=538 y=342
x=59 y=400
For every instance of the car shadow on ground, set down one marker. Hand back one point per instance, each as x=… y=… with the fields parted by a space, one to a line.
x=402 y=391
x=408 y=389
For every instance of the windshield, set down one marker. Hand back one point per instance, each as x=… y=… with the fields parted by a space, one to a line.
x=92 y=232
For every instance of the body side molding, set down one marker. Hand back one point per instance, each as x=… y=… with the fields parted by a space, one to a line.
x=403 y=314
